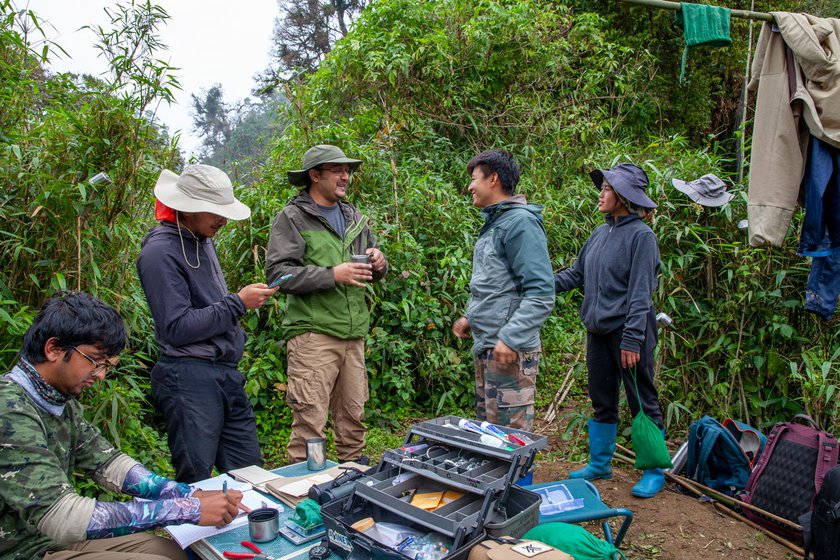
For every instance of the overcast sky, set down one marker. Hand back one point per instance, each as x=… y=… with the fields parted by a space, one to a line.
x=210 y=41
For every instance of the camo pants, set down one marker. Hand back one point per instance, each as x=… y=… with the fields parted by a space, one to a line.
x=505 y=393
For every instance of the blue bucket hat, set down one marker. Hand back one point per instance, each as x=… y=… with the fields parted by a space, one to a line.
x=628 y=180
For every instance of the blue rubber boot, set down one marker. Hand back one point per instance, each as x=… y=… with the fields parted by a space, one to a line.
x=653 y=480
x=601 y=449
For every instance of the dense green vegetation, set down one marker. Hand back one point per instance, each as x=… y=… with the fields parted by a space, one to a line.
x=416 y=89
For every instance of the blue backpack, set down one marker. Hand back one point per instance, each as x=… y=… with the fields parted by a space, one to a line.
x=722 y=456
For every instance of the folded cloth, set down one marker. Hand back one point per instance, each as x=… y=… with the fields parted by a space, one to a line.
x=703 y=26
x=308 y=514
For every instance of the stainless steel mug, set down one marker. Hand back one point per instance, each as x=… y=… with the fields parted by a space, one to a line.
x=316 y=454
x=263 y=524
x=363 y=259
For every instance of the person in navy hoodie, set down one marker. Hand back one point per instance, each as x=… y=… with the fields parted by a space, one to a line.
x=617 y=269
x=195 y=383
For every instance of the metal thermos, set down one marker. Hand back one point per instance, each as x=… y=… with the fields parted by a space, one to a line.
x=316 y=454
x=263 y=524
x=679 y=459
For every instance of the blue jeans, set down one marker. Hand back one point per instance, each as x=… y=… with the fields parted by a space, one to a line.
x=821 y=185
x=820 y=238
x=823 y=285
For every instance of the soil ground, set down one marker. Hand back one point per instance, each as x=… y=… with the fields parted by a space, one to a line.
x=671 y=525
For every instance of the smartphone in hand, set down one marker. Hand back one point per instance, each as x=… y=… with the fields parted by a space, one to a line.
x=280 y=280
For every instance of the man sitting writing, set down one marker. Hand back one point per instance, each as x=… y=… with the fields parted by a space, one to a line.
x=74 y=339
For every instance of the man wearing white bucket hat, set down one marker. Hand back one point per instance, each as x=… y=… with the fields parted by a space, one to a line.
x=195 y=383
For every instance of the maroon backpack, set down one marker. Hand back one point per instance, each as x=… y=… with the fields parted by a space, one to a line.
x=789 y=473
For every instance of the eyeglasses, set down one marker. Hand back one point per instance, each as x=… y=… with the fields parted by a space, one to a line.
x=341 y=170
x=97 y=366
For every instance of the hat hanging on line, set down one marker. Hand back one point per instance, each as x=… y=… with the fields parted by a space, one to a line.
x=200 y=188
x=628 y=180
x=708 y=190
x=319 y=155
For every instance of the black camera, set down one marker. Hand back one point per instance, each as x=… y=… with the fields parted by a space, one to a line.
x=340 y=487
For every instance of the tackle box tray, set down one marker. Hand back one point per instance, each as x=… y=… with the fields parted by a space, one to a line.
x=394 y=490
x=465 y=470
x=345 y=541
x=445 y=430
x=511 y=462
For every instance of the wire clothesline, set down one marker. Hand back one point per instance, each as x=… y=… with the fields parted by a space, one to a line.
x=746 y=14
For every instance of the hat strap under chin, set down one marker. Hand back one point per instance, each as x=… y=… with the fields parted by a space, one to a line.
x=184 y=251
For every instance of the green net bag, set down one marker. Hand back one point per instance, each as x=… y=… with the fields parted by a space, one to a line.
x=648 y=442
x=574 y=540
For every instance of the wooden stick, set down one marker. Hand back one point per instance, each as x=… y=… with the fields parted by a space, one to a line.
x=781 y=540
x=714 y=494
x=720 y=507
x=745 y=14
x=561 y=394
x=722 y=497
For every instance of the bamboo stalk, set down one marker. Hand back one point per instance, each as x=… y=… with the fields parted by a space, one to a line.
x=79 y=253
x=781 y=540
x=723 y=497
x=689 y=485
x=561 y=392
x=720 y=496
x=744 y=14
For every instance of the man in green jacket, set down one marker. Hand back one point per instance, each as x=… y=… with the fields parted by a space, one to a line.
x=312 y=241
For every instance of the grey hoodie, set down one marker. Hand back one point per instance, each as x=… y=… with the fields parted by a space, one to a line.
x=617 y=269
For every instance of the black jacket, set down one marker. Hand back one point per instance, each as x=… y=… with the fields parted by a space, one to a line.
x=617 y=269
x=194 y=314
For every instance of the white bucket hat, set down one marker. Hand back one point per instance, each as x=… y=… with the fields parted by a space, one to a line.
x=200 y=188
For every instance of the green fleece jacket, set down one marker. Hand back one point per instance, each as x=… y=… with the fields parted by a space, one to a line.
x=304 y=244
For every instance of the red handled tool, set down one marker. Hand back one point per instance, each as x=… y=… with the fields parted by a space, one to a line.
x=257 y=554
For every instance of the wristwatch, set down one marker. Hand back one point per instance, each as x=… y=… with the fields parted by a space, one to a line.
x=318 y=552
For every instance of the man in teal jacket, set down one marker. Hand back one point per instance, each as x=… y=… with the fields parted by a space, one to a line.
x=313 y=239
x=511 y=293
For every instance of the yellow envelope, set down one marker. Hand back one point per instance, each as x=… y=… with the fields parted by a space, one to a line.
x=428 y=501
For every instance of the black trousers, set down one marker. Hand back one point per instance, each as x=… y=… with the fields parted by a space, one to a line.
x=209 y=420
x=603 y=361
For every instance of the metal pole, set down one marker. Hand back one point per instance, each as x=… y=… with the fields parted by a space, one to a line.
x=676 y=6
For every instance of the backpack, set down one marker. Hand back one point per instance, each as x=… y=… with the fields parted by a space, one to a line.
x=789 y=473
x=721 y=456
x=824 y=540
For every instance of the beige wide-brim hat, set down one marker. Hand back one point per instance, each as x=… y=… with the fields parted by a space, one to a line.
x=318 y=155
x=200 y=188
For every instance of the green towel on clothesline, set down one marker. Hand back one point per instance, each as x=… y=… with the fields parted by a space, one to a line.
x=703 y=26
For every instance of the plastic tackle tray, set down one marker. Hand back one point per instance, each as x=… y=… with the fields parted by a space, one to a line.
x=339 y=516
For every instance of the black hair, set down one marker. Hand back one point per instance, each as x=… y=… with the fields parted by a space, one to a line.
x=307 y=180
x=632 y=207
x=74 y=318
x=499 y=162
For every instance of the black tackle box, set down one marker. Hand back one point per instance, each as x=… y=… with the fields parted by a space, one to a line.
x=440 y=457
